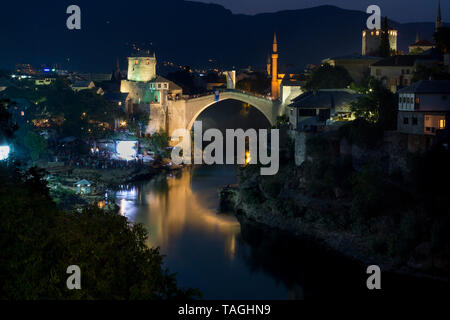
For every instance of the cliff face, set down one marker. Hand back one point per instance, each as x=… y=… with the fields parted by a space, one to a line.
x=233 y=198
x=392 y=152
x=360 y=202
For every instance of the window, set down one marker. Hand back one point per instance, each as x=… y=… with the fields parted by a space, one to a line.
x=417 y=100
x=147 y=62
x=442 y=124
x=405 y=120
x=136 y=61
x=414 y=121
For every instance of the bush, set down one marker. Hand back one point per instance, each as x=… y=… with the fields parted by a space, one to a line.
x=38 y=242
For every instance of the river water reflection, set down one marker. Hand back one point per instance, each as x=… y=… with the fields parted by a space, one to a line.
x=212 y=251
x=181 y=215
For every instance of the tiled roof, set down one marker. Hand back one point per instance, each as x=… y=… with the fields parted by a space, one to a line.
x=112 y=96
x=401 y=61
x=81 y=84
x=423 y=43
x=172 y=85
x=325 y=98
x=428 y=86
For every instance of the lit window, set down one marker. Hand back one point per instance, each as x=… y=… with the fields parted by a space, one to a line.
x=442 y=124
x=136 y=61
x=417 y=100
x=378 y=33
x=147 y=62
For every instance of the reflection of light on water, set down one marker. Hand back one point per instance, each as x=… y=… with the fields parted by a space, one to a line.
x=248 y=158
x=176 y=208
x=129 y=194
x=127 y=204
x=171 y=206
x=231 y=249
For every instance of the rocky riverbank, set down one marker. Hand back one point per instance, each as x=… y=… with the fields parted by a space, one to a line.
x=352 y=246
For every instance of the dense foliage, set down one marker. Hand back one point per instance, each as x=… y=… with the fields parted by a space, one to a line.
x=38 y=242
x=328 y=77
x=257 y=82
x=57 y=107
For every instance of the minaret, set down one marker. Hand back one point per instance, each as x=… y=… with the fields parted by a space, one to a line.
x=269 y=64
x=439 y=17
x=275 y=84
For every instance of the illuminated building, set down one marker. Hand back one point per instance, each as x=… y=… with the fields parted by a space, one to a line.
x=398 y=71
x=371 y=41
x=148 y=91
x=277 y=77
x=424 y=112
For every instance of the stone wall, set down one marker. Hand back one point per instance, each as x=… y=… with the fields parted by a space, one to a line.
x=391 y=155
x=299 y=138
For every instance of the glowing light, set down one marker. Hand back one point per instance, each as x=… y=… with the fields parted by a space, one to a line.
x=248 y=158
x=4 y=152
x=126 y=149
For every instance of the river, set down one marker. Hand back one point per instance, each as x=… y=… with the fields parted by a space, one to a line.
x=212 y=251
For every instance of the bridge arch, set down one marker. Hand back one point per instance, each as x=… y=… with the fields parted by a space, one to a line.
x=195 y=106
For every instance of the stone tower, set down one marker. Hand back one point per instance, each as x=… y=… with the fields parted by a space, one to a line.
x=142 y=68
x=275 y=82
x=371 y=41
x=439 y=17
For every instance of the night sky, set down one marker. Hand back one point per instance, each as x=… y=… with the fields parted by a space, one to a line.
x=193 y=33
x=399 y=10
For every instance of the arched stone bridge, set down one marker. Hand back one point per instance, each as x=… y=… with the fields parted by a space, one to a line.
x=182 y=113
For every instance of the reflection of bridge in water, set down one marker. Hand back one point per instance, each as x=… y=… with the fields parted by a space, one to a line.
x=183 y=112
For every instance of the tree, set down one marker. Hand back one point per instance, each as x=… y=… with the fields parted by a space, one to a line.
x=38 y=242
x=385 y=47
x=186 y=79
x=378 y=105
x=442 y=39
x=159 y=142
x=257 y=83
x=434 y=72
x=36 y=144
x=328 y=77
x=7 y=127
